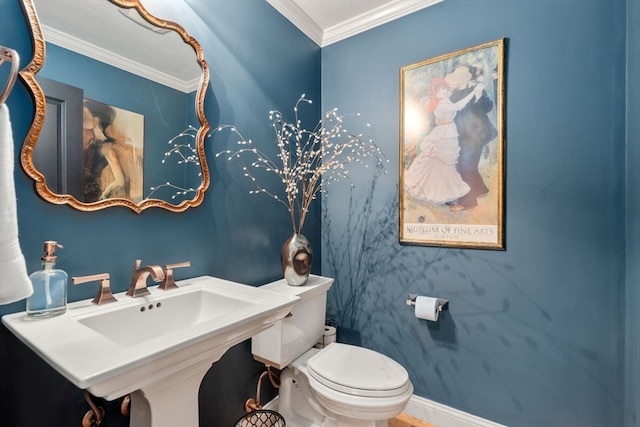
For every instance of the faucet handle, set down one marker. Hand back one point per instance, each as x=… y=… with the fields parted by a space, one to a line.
x=104 y=295
x=169 y=282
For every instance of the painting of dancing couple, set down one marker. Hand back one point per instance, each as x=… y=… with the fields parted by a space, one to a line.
x=452 y=149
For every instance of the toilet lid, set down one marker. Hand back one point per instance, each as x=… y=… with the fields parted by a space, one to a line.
x=358 y=371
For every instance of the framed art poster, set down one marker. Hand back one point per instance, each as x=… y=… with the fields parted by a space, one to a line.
x=452 y=149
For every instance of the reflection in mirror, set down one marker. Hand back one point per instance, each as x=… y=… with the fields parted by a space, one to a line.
x=119 y=88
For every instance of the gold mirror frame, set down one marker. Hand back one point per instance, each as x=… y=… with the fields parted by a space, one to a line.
x=28 y=75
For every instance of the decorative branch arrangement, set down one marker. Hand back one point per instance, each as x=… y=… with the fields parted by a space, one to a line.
x=307 y=159
x=186 y=153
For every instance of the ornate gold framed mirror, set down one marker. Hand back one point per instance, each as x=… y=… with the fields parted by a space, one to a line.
x=114 y=123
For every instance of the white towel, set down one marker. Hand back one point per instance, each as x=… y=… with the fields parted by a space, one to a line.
x=14 y=282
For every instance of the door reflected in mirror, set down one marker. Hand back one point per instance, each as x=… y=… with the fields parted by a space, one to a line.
x=121 y=95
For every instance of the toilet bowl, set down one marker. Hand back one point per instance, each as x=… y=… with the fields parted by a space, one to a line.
x=343 y=385
x=338 y=386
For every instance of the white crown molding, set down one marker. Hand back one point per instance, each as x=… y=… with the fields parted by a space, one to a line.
x=82 y=47
x=373 y=18
x=356 y=25
x=299 y=18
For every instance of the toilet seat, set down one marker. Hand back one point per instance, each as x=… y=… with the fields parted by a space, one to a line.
x=358 y=371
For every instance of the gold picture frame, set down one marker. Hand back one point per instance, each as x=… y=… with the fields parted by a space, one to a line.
x=452 y=147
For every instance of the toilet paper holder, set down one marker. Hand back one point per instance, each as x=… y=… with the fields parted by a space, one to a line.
x=411 y=300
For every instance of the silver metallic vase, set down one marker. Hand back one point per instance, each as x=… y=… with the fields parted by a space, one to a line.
x=296 y=260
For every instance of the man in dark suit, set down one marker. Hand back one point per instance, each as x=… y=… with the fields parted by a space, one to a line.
x=475 y=132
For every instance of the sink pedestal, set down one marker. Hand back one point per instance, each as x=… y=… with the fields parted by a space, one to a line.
x=165 y=391
x=170 y=402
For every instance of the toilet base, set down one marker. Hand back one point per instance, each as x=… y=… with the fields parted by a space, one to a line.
x=300 y=408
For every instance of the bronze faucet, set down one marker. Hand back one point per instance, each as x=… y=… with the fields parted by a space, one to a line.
x=168 y=282
x=139 y=276
x=104 y=295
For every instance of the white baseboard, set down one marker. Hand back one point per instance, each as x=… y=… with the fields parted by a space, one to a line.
x=431 y=412
x=444 y=416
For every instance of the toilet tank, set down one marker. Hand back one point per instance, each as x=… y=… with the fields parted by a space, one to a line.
x=290 y=337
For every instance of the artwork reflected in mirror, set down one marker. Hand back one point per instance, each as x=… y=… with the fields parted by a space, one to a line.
x=112 y=152
x=107 y=107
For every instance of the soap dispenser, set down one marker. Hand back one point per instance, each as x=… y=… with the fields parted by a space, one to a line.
x=49 y=296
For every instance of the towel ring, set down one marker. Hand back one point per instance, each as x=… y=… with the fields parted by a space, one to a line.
x=12 y=56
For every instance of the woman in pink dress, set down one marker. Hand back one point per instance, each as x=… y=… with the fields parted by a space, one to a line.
x=432 y=177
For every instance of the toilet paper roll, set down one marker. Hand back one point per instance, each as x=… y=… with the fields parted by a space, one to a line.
x=427 y=308
x=329 y=335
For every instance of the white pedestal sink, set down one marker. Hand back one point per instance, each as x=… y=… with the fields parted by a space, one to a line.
x=156 y=348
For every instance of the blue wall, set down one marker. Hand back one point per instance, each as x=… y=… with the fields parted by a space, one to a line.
x=632 y=323
x=255 y=68
x=535 y=334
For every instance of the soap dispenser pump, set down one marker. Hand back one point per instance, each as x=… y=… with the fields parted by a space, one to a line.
x=49 y=296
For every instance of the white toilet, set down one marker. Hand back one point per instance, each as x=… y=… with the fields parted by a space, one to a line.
x=338 y=386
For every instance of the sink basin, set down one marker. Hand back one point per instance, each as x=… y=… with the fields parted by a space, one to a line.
x=166 y=314
x=157 y=347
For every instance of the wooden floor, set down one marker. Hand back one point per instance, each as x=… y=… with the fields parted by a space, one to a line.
x=404 y=420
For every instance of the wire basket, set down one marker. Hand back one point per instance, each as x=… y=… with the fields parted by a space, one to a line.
x=261 y=418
